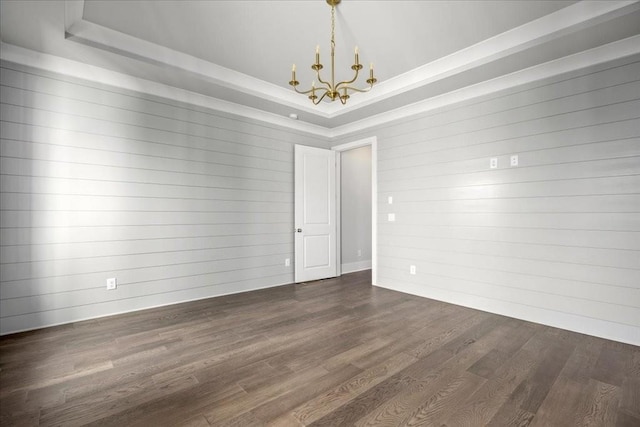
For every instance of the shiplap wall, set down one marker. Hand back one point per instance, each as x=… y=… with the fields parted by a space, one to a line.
x=175 y=201
x=555 y=240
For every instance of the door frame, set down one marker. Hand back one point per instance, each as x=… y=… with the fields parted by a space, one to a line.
x=373 y=142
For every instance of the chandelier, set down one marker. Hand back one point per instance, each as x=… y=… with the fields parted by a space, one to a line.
x=331 y=89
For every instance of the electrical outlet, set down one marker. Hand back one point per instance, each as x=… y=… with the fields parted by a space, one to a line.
x=112 y=284
x=390 y=200
x=287 y=262
x=493 y=163
x=412 y=269
x=391 y=217
x=514 y=160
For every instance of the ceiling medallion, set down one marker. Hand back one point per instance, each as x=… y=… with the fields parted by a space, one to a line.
x=331 y=89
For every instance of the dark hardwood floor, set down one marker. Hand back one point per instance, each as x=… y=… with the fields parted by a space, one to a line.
x=328 y=353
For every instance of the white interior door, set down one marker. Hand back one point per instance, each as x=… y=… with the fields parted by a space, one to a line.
x=315 y=213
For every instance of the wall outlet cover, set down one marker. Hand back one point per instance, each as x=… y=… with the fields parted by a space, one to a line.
x=493 y=163
x=391 y=217
x=514 y=160
x=112 y=283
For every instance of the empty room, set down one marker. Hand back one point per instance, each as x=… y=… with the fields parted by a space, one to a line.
x=319 y=213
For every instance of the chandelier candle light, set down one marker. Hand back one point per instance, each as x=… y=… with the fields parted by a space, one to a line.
x=331 y=89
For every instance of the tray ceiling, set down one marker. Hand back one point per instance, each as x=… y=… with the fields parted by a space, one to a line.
x=240 y=52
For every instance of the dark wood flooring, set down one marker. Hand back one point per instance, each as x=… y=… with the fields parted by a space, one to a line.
x=329 y=353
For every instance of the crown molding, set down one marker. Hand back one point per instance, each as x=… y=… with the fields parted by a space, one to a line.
x=609 y=52
x=125 y=45
x=587 y=13
x=73 y=11
x=572 y=18
x=67 y=67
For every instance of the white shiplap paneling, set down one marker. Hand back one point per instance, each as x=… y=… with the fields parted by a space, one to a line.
x=555 y=240
x=176 y=201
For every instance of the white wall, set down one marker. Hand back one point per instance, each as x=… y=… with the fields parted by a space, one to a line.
x=355 y=207
x=175 y=201
x=555 y=240
x=180 y=202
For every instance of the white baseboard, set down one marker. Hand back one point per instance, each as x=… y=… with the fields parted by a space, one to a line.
x=33 y=321
x=596 y=327
x=352 y=267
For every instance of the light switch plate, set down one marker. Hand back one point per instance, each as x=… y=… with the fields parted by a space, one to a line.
x=412 y=269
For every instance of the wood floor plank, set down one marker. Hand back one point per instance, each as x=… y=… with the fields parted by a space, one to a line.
x=346 y=357
x=552 y=360
x=611 y=366
x=518 y=410
x=14 y=410
x=246 y=419
x=335 y=352
x=630 y=400
x=198 y=421
x=327 y=402
x=227 y=409
x=601 y=405
x=445 y=399
x=564 y=397
x=625 y=420
x=449 y=395
x=416 y=342
x=448 y=330
x=503 y=349
x=97 y=406
x=285 y=420
x=274 y=408
x=444 y=381
x=366 y=402
x=480 y=407
x=487 y=365
x=171 y=409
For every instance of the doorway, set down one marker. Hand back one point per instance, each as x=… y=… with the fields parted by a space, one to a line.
x=356 y=246
x=355 y=209
x=318 y=254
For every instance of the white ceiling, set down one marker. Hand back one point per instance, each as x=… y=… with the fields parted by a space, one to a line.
x=241 y=51
x=263 y=38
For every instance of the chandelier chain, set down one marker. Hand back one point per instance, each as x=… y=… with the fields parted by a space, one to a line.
x=333 y=27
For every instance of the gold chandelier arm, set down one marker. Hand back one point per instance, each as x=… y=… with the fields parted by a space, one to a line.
x=355 y=89
x=322 y=81
x=347 y=82
x=316 y=102
x=304 y=92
